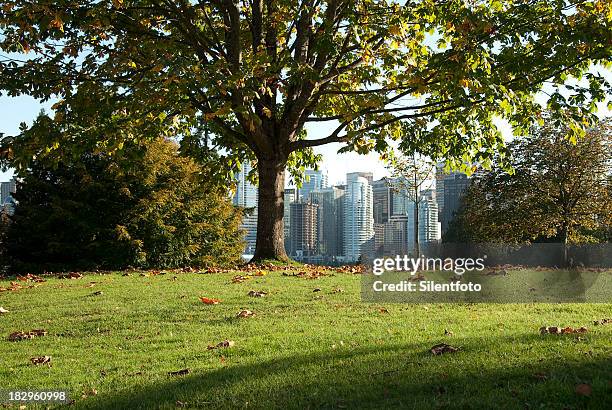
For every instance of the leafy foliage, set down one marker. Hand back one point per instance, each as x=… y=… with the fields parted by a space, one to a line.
x=255 y=72
x=147 y=207
x=560 y=191
x=432 y=78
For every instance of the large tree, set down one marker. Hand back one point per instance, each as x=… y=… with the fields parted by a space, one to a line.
x=432 y=75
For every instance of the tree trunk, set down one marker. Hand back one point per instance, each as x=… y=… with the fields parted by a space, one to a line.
x=565 y=239
x=270 y=210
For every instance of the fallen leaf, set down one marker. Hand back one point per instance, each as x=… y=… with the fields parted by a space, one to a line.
x=583 y=389
x=316 y=290
x=240 y=278
x=443 y=348
x=338 y=290
x=181 y=403
x=383 y=310
x=448 y=333
x=16 y=336
x=554 y=330
x=245 y=313
x=260 y=273
x=257 y=294
x=98 y=293
x=36 y=361
x=3 y=310
x=550 y=330
x=221 y=345
x=210 y=301
x=181 y=372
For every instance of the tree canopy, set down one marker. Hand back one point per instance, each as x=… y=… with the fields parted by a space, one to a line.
x=431 y=75
x=146 y=207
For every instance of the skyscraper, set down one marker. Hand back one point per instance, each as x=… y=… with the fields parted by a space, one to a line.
x=289 y=198
x=382 y=200
x=367 y=175
x=6 y=191
x=246 y=197
x=327 y=215
x=246 y=192
x=303 y=229
x=455 y=185
x=429 y=227
x=440 y=188
x=358 y=218
x=314 y=179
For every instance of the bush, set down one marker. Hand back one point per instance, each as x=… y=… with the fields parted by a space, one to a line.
x=143 y=207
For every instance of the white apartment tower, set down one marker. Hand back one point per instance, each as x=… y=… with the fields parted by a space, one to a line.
x=358 y=218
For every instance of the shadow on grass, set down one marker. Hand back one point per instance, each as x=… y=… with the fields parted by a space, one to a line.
x=397 y=376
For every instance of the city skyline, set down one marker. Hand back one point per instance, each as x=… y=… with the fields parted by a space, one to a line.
x=362 y=217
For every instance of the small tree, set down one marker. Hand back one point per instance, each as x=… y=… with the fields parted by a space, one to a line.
x=412 y=175
x=147 y=207
x=560 y=190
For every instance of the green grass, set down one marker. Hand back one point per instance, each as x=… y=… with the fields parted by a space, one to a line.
x=303 y=349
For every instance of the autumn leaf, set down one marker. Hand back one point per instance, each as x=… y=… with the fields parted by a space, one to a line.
x=554 y=330
x=16 y=336
x=221 y=345
x=210 y=301
x=257 y=294
x=583 y=389
x=245 y=313
x=443 y=348
x=3 y=310
x=36 y=361
x=240 y=278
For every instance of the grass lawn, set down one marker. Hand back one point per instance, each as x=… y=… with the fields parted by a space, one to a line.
x=302 y=349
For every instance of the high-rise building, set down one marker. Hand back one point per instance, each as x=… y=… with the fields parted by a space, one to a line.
x=7 y=189
x=246 y=197
x=314 y=179
x=396 y=236
x=341 y=192
x=246 y=192
x=303 y=229
x=379 y=239
x=440 y=188
x=289 y=198
x=382 y=200
x=367 y=175
x=358 y=218
x=455 y=185
x=327 y=216
x=429 y=226
x=249 y=225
